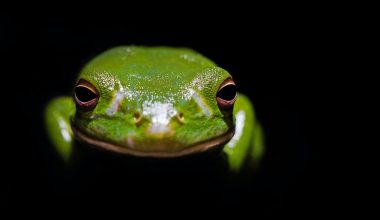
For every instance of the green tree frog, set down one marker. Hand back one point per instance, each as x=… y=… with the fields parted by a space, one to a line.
x=159 y=102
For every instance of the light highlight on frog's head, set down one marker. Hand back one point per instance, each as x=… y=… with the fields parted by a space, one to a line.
x=157 y=101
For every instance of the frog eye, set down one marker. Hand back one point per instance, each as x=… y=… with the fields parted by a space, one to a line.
x=226 y=95
x=86 y=95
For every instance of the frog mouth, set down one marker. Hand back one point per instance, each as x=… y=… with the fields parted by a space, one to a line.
x=205 y=146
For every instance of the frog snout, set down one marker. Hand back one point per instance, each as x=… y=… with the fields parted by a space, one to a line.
x=180 y=118
x=162 y=117
x=139 y=118
x=159 y=124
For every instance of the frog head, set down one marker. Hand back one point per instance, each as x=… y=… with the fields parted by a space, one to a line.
x=154 y=102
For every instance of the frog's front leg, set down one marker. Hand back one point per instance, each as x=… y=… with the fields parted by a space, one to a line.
x=247 y=143
x=57 y=121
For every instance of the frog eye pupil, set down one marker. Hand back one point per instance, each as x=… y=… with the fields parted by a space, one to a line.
x=227 y=93
x=84 y=94
x=226 y=96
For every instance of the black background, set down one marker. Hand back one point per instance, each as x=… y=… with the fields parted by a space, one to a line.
x=281 y=58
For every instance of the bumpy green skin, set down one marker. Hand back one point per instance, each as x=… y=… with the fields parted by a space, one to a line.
x=172 y=92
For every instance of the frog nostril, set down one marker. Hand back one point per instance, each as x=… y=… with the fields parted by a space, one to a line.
x=180 y=117
x=137 y=117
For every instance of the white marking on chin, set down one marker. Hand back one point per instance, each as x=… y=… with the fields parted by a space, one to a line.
x=130 y=142
x=240 y=120
x=157 y=128
x=160 y=114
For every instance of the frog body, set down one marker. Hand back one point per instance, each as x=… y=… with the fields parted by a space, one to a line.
x=158 y=102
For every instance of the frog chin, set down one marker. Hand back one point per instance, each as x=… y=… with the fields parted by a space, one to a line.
x=205 y=146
